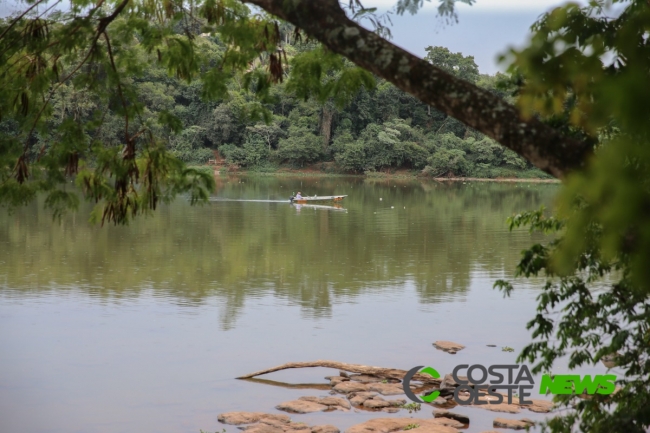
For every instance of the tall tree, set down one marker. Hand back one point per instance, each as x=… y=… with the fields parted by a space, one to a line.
x=455 y=63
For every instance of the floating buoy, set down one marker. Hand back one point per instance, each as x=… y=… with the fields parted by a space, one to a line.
x=392 y=207
x=380 y=199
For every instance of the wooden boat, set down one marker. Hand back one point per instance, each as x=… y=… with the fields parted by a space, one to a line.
x=317 y=198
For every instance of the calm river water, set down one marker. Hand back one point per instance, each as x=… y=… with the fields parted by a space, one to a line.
x=143 y=328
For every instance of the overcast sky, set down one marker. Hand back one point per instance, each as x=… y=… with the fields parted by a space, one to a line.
x=484 y=30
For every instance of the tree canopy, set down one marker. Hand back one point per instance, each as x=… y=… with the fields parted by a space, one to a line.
x=579 y=114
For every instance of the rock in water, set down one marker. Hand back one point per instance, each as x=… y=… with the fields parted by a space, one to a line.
x=301 y=406
x=452 y=415
x=515 y=424
x=448 y=346
x=388 y=425
x=238 y=418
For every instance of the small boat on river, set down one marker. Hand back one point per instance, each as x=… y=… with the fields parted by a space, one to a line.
x=305 y=199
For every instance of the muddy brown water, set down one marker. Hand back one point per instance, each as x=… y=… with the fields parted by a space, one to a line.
x=143 y=328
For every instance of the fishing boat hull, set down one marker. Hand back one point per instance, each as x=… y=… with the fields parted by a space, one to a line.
x=316 y=198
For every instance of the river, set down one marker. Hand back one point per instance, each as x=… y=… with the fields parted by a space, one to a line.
x=143 y=328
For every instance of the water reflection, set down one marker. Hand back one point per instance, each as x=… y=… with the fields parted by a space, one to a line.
x=142 y=328
x=387 y=236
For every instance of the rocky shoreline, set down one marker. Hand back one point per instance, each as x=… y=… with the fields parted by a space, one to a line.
x=374 y=389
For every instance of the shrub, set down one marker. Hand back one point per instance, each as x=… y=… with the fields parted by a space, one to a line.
x=253 y=153
x=300 y=146
x=446 y=162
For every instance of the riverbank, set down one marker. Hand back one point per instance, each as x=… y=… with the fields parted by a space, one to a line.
x=529 y=176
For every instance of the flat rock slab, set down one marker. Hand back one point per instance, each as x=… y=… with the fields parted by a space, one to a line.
x=389 y=425
x=301 y=406
x=365 y=378
x=379 y=403
x=260 y=422
x=263 y=428
x=516 y=424
x=450 y=422
x=347 y=387
x=386 y=388
x=328 y=401
x=327 y=428
x=291 y=427
x=448 y=346
x=238 y=418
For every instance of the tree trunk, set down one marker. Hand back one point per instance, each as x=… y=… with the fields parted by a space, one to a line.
x=543 y=146
x=387 y=373
x=326 y=125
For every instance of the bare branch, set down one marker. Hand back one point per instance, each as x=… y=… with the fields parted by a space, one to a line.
x=387 y=373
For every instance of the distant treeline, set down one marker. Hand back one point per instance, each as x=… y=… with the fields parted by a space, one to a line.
x=378 y=128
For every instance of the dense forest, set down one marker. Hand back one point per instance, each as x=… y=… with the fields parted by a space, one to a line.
x=377 y=128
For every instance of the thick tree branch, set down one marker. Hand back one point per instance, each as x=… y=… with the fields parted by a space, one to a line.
x=540 y=144
x=388 y=373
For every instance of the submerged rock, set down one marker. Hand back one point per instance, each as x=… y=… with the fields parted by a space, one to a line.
x=238 y=418
x=271 y=423
x=388 y=425
x=516 y=424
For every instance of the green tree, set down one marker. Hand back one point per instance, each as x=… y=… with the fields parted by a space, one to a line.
x=301 y=146
x=462 y=66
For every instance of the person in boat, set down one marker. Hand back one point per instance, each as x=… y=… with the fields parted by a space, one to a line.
x=298 y=196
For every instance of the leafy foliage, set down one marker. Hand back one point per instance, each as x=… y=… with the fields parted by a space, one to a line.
x=595 y=313
x=455 y=63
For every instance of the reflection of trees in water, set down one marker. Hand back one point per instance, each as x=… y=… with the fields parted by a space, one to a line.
x=237 y=252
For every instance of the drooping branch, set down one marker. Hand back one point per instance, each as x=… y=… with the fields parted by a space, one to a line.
x=540 y=144
x=386 y=373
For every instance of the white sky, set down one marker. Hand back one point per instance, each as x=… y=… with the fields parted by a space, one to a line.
x=483 y=5
x=484 y=30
